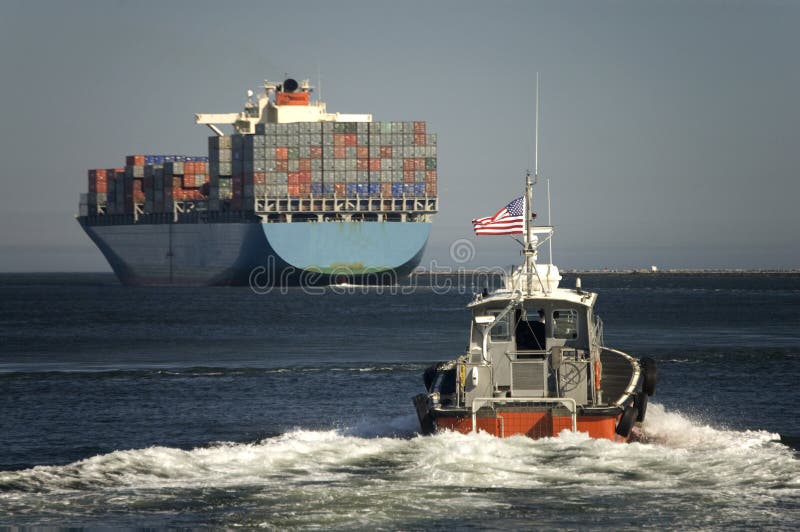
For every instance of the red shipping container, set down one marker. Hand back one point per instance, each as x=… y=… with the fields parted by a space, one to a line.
x=386 y=190
x=294 y=190
x=420 y=164
x=304 y=165
x=339 y=152
x=350 y=139
x=362 y=165
x=305 y=176
x=339 y=189
x=177 y=182
x=188 y=181
x=386 y=152
x=316 y=152
x=294 y=179
x=282 y=153
x=98 y=181
x=259 y=178
x=431 y=189
x=134 y=160
x=202 y=167
x=374 y=164
x=408 y=164
x=419 y=128
x=408 y=176
x=419 y=139
x=338 y=139
x=362 y=152
x=281 y=166
x=430 y=176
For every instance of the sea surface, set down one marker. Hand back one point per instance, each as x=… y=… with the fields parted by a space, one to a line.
x=223 y=408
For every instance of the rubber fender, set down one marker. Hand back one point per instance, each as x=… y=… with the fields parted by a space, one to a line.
x=426 y=423
x=650 y=377
x=429 y=376
x=626 y=421
x=640 y=402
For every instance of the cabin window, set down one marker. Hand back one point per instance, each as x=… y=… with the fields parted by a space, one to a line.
x=565 y=324
x=500 y=331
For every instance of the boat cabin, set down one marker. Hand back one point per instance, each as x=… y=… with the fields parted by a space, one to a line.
x=546 y=346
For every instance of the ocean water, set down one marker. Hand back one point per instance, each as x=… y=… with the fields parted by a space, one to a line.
x=219 y=407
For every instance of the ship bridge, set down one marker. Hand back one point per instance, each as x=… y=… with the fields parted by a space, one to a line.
x=283 y=102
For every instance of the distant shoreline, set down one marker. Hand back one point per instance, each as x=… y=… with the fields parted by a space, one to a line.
x=487 y=270
x=633 y=272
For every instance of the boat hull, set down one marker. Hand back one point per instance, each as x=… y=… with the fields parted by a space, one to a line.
x=262 y=255
x=531 y=424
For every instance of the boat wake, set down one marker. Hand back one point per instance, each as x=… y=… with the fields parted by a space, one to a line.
x=382 y=474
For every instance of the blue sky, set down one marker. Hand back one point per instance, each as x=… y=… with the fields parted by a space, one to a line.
x=668 y=129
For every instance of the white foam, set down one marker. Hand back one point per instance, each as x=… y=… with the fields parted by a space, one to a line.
x=340 y=473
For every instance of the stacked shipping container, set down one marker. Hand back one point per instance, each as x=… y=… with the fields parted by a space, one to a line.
x=294 y=160
x=156 y=181
x=328 y=159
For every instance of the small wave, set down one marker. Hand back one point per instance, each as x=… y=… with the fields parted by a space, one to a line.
x=179 y=372
x=298 y=476
x=398 y=427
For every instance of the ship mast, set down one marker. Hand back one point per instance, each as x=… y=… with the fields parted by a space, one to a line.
x=529 y=244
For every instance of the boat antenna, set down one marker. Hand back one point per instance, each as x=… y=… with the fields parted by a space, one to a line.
x=536 y=135
x=550 y=224
x=319 y=84
x=530 y=250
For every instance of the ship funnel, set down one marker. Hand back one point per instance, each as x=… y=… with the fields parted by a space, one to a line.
x=290 y=85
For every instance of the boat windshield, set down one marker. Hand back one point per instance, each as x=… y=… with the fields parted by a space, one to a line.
x=565 y=324
x=499 y=331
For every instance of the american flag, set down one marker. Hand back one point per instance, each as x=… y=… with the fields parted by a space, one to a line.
x=510 y=220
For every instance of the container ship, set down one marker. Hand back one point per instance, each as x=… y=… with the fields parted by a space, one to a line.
x=291 y=195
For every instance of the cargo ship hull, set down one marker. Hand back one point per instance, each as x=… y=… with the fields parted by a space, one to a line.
x=262 y=255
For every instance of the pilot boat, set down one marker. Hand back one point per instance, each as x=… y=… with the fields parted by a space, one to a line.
x=536 y=364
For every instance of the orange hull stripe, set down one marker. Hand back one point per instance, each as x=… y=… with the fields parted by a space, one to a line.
x=532 y=424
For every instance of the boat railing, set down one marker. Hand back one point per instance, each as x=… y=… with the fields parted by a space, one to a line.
x=344 y=205
x=598 y=332
x=567 y=402
x=620 y=376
